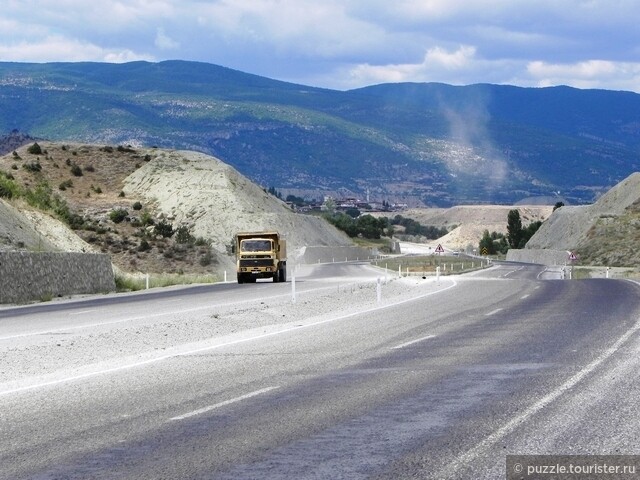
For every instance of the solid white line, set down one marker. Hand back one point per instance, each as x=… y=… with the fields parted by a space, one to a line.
x=412 y=342
x=223 y=404
x=511 y=425
x=214 y=347
x=493 y=312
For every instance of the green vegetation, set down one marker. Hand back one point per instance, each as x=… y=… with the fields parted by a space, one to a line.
x=366 y=226
x=163 y=229
x=413 y=227
x=118 y=215
x=517 y=236
x=35 y=149
x=8 y=187
x=129 y=283
x=427 y=264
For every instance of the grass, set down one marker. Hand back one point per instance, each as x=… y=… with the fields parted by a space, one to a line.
x=132 y=283
x=428 y=264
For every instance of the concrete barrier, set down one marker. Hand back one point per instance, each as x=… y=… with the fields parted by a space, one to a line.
x=29 y=276
x=539 y=256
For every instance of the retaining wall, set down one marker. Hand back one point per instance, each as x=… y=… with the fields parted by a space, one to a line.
x=29 y=276
x=540 y=256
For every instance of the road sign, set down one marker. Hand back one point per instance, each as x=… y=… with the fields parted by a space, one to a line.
x=439 y=249
x=572 y=257
x=484 y=251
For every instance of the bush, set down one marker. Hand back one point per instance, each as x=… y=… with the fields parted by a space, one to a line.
x=32 y=167
x=137 y=206
x=206 y=259
x=183 y=236
x=35 y=149
x=118 y=215
x=8 y=188
x=66 y=184
x=76 y=170
x=144 y=246
x=163 y=229
x=89 y=168
x=146 y=219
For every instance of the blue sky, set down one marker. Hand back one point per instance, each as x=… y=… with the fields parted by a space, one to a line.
x=345 y=44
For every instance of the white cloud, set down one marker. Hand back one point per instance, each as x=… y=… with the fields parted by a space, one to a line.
x=587 y=74
x=344 y=43
x=164 y=42
x=56 y=48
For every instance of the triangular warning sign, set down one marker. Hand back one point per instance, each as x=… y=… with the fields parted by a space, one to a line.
x=439 y=249
x=572 y=256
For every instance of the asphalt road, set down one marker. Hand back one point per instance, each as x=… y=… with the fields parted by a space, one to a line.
x=504 y=361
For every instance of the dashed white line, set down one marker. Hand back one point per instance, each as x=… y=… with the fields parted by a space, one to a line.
x=493 y=312
x=412 y=342
x=200 y=411
x=524 y=296
x=82 y=312
x=207 y=348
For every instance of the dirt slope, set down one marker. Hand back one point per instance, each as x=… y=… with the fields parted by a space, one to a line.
x=215 y=201
x=152 y=185
x=470 y=221
x=568 y=226
x=604 y=233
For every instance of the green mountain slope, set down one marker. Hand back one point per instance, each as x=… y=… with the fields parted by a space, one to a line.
x=428 y=144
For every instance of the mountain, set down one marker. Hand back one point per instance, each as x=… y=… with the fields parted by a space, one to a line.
x=606 y=232
x=422 y=144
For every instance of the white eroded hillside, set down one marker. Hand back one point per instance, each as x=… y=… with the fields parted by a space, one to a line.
x=216 y=201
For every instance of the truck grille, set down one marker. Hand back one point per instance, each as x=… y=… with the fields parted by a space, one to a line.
x=256 y=262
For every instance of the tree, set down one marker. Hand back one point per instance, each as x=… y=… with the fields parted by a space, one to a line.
x=558 y=205
x=35 y=149
x=486 y=244
x=528 y=232
x=369 y=226
x=352 y=212
x=514 y=228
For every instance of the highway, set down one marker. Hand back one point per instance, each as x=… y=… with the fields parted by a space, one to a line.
x=440 y=379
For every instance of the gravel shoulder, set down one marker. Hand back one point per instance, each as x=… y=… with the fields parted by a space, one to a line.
x=56 y=356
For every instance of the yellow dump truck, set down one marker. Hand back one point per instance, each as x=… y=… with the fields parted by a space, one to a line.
x=260 y=255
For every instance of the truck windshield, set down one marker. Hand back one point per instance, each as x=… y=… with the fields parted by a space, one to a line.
x=255 y=246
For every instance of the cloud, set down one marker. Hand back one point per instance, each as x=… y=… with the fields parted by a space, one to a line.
x=57 y=48
x=164 y=42
x=587 y=74
x=343 y=43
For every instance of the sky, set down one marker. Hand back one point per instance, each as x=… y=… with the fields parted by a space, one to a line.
x=344 y=44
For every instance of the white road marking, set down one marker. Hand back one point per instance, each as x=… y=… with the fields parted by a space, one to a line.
x=510 y=426
x=82 y=312
x=493 y=312
x=200 y=411
x=214 y=347
x=412 y=342
x=524 y=296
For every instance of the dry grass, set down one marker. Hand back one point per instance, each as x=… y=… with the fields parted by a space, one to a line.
x=94 y=191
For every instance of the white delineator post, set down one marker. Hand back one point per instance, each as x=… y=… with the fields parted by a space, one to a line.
x=293 y=288
x=379 y=290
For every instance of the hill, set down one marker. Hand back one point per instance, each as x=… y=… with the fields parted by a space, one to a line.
x=116 y=198
x=421 y=144
x=467 y=223
x=606 y=232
